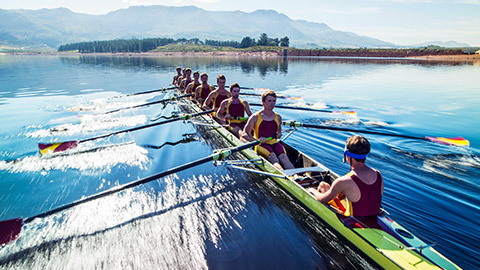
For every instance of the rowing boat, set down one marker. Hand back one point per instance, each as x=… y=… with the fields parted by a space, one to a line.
x=379 y=237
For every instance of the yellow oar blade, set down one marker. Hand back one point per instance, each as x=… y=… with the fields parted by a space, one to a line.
x=352 y=113
x=458 y=141
x=48 y=148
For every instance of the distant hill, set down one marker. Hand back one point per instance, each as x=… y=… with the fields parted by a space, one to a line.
x=53 y=27
x=447 y=44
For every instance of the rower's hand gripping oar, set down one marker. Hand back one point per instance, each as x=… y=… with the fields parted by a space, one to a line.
x=457 y=141
x=46 y=148
x=149 y=103
x=10 y=229
x=353 y=113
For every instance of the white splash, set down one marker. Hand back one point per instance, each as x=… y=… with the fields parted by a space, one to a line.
x=104 y=158
x=88 y=124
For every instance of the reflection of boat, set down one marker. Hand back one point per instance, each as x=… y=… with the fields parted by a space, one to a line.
x=379 y=237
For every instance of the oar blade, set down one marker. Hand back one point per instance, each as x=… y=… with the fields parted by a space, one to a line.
x=48 y=148
x=457 y=141
x=351 y=113
x=10 y=229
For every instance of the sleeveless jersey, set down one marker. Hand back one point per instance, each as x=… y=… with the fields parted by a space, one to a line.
x=194 y=86
x=266 y=129
x=217 y=100
x=204 y=92
x=236 y=110
x=371 y=196
x=187 y=81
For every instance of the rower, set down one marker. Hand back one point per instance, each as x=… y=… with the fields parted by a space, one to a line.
x=266 y=123
x=186 y=80
x=202 y=91
x=234 y=108
x=180 y=78
x=362 y=186
x=190 y=89
x=216 y=97
x=179 y=74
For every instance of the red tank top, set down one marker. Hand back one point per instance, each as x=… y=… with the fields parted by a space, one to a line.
x=236 y=110
x=266 y=128
x=218 y=99
x=204 y=92
x=194 y=87
x=371 y=198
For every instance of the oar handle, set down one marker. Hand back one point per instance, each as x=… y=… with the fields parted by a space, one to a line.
x=239 y=118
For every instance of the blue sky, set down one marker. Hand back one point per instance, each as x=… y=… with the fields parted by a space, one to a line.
x=403 y=22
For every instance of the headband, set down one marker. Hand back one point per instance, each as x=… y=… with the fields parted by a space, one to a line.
x=353 y=155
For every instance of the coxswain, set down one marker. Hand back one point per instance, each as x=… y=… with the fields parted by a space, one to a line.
x=190 y=89
x=202 y=91
x=264 y=124
x=233 y=109
x=216 y=97
x=362 y=187
x=179 y=74
x=186 y=80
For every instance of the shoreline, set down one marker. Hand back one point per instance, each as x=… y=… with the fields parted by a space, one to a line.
x=438 y=57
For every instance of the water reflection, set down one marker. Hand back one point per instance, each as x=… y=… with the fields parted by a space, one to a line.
x=248 y=65
x=167 y=63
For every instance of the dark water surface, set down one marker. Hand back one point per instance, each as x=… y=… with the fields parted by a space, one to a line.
x=213 y=217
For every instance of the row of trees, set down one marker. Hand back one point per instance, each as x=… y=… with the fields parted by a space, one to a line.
x=145 y=45
x=117 y=45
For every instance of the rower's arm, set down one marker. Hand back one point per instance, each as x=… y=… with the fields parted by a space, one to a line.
x=197 y=93
x=279 y=128
x=247 y=109
x=208 y=101
x=221 y=110
x=335 y=189
x=247 y=130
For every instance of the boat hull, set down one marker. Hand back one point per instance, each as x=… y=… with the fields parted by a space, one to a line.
x=383 y=242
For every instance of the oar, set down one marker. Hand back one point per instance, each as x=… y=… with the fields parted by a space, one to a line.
x=457 y=141
x=10 y=229
x=307 y=109
x=133 y=94
x=149 y=103
x=62 y=146
x=147 y=92
x=278 y=96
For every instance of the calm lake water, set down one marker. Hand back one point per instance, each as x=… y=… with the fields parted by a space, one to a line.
x=213 y=217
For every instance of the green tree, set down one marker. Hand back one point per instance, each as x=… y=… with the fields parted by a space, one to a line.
x=247 y=42
x=285 y=42
x=264 y=40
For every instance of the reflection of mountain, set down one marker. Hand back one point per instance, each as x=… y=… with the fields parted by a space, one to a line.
x=248 y=65
x=54 y=27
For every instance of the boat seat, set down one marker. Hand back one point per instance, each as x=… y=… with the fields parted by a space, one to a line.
x=291 y=172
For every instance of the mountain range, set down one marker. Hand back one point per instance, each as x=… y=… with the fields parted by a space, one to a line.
x=54 y=27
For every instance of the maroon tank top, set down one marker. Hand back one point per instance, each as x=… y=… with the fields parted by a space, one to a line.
x=371 y=198
x=236 y=110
